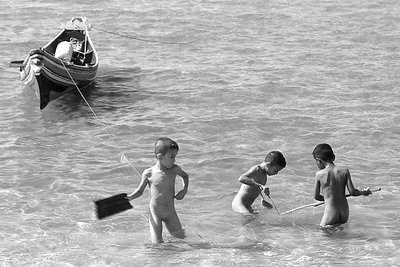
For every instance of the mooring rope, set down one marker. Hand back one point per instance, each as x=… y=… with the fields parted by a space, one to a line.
x=123 y=159
x=140 y=39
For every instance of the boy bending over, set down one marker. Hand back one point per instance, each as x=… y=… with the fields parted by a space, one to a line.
x=254 y=180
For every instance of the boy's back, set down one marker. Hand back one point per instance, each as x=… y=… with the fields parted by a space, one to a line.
x=333 y=181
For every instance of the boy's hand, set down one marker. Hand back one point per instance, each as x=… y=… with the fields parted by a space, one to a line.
x=181 y=194
x=264 y=189
x=366 y=191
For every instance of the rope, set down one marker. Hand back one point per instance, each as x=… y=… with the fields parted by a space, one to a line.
x=124 y=159
x=140 y=39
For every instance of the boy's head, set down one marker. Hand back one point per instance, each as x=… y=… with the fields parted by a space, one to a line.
x=163 y=145
x=323 y=152
x=275 y=162
x=166 y=150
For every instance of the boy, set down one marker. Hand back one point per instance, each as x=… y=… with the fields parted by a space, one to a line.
x=161 y=180
x=333 y=181
x=254 y=180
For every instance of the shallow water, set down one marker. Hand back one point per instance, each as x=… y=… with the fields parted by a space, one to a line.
x=245 y=78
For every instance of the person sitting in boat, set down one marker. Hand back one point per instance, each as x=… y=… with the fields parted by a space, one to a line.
x=64 y=51
x=79 y=55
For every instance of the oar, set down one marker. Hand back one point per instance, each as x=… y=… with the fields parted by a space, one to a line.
x=86 y=39
x=316 y=204
x=112 y=205
x=266 y=205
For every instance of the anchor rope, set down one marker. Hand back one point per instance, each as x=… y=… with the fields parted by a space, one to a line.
x=140 y=39
x=123 y=157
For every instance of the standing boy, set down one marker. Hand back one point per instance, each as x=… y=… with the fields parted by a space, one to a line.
x=254 y=180
x=333 y=181
x=161 y=180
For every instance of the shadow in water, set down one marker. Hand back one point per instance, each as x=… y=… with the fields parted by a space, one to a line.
x=112 y=91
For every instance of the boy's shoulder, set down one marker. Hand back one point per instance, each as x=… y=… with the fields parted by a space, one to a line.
x=342 y=171
x=256 y=167
x=335 y=170
x=321 y=173
x=175 y=167
x=149 y=171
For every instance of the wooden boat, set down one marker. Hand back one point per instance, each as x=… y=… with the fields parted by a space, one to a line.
x=68 y=61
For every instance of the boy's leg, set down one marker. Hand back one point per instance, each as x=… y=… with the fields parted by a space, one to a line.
x=155 y=224
x=174 y=225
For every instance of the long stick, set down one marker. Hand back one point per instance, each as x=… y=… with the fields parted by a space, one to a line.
x=274 y=205
x=316 y=204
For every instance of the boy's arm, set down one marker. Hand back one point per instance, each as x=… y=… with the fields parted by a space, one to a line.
x=317 y=190
x=353 y=191
x=143 y=183
x=185 y=179
x=245 y=178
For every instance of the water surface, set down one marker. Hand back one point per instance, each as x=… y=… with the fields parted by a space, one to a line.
x=229 y=81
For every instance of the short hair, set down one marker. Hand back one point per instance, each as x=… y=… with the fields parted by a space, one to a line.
x=164 y=144
x=276 y=158
x=324 y=152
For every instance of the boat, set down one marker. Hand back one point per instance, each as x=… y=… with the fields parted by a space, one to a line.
x=67 y=63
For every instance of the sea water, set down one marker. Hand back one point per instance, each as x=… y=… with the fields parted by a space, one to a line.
x=229 y=81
